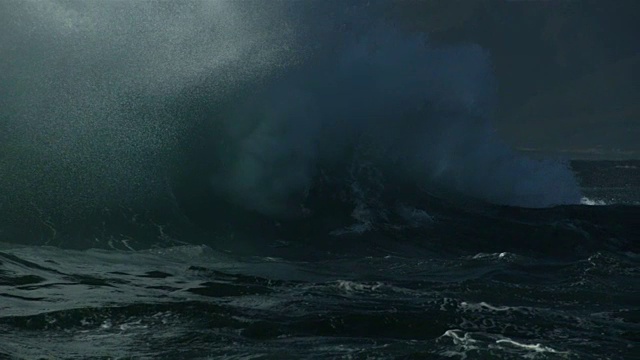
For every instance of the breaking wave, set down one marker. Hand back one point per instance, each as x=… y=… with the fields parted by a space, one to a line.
x=262 y=100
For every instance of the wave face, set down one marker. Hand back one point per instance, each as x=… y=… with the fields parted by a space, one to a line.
x=119 y=94
x=389 y=100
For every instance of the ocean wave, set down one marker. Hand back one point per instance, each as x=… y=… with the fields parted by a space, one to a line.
x=255 y=100
x=389 y=108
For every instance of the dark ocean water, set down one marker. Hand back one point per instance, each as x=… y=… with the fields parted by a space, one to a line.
x=289 y=179
x=485 y=282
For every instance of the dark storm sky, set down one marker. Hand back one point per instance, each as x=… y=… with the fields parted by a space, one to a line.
x=568 y=72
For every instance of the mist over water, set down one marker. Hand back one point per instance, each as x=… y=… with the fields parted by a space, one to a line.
x=89 y=92
x=85 y=86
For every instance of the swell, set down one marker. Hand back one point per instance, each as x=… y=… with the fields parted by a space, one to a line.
x=397 y=222
x=499 y=303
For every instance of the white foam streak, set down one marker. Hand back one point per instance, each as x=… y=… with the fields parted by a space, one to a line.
x=538 y=348
x=472 y=344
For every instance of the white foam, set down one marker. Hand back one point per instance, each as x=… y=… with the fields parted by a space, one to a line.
x=506 y=256
x=465 y=342
x=538 y=348
x=484 y=306
x=592 y=202
x=353 y=286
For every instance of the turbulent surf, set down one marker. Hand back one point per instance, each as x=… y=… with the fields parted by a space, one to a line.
x=288 y=179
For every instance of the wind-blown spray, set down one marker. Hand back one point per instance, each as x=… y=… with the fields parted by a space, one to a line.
x=89 y=92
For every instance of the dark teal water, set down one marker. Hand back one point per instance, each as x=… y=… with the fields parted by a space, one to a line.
x=485 y=282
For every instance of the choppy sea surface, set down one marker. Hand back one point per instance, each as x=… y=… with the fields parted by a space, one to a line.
x=437 y=281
